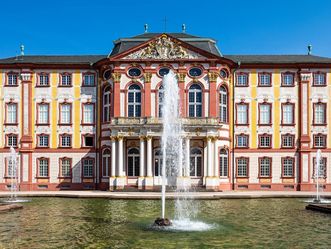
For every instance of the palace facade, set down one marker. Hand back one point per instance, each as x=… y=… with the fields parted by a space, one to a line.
x=250 y=122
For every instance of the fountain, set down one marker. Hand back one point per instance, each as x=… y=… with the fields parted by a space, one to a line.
x=172 y=163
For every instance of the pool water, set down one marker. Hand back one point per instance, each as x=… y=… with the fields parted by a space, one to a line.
x=103 y=223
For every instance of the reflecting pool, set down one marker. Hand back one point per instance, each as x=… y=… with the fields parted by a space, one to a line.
x=104 y=223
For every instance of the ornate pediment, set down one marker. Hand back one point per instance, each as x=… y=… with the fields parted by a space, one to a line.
x=163 y=48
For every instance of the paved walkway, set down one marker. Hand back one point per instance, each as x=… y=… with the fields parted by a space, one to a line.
x=169 y=195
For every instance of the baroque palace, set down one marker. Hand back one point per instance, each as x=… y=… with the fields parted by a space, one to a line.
x=251 y=122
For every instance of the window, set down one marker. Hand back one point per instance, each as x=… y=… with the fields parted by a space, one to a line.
x=43 y=113
x=288 y=79
x=319 y=141
x=265 y=141
x=195 y=72
x=265 y=79
x=242 y=141
x=287 y=114
x=196 y=162
x=106 y=163
x=106 y=104
x=11 y=167
x=89 y=79
x=88 y=141
x=65 y=113
x=242 y=79
x=12 y=79
x=65 y=140
x=242 y=167
x=161 y=94
x=43 y=167
x=287 y=141
x=319 y=170
x=288 y=166
x=264 y=114
x=134 y=101
x=223 y=105
x=195 y=101
x=242 y=114
x=224 y=163
x=65 y=167
x=11 y=117
x=133 y=162
x=66 y=79
x=12 y=140
x=265 y=167
x=88 y=167
x=319 y=113
x=43 y=79
x=88 y=113
x=43 y=140
x=158 y=160
x=134 y=72
x=319 y=79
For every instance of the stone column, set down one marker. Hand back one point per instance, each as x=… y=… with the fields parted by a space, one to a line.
x=149 y=179
x=121 y=179
x=180 y=158
x=112 y=178
x=141 y=178
x=209 y=157
x=216 y=163
x=211 y=181
x=187 y=157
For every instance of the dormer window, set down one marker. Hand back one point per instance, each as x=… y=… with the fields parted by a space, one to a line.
x=134 y=72
x=195 y=72
x=224 y=73
x=163 y=71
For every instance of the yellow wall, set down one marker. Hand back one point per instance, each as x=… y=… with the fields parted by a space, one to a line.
x=76 y=109
x=253 y=109
x=54 y=109
x=276 y=108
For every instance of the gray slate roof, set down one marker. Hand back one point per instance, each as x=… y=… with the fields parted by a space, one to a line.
x=277 y=59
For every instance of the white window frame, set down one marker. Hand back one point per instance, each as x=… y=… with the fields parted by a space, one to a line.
x=265 y=167
x=89 y=79
x=106 y=163
x=242 y=115
x=288 y=167
x=319 y=113
x=224 y=163
x=135 y=104
x=242 y=80
x=265 y=114
x=88 y=164
x=223 y=104
x=242 y=141
x=43 y=79
x=106 y=104
x=43 y=113
x=195 y=103
x=194 y=162
x=88 y=113
x=42 y=139
x=43 y=167
x=12 y=113
x=65 y=113
x=242 y=167
x=288 y=79
x=65 y=168
x=288 y=110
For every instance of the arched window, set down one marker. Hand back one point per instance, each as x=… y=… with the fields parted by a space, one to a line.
x=134 y=101
x=133 y=162
x=106 y=163
x=195 y=101
x=106 y=104
x=224 y=163
x=160 y=96
x=195 y=162
x=223 y=105
x=158 y=161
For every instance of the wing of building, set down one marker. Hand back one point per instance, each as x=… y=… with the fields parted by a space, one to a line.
x=250 y=122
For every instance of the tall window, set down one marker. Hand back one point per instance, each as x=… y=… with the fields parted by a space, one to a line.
x=242 y=167
x=12 y=140
x=158 y=163
x=43 y=167
x=66 y=79
x=88 y=167
x=43 y=140
x=134 y=101
x=89 y=79
x=161 y=94
x=106 y=104
x=288 y=167
x=65 y=113
x=242 y=79
x=224 y=163
x=319 y=141
x=88 y=113
x=288 y=141
x=133 y=162
x=106 y=163
x=12 y=79
x=195 y=101
x=319 y=79
x=242 y=141
x=43 y=79
x=265 y=167
x=43 y=114
x=265 y=114
x=321 y=168
x=65 y=167
x=11 y=117
x=265 y=141
x=264 y=79
x=223 y=105
x=196 y=162
x=319 y=113
x=242 y=114
x=11 y=169
x=287 y=114
x=288 y=79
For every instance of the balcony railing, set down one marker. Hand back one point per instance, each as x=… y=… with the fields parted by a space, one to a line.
x=158 y=121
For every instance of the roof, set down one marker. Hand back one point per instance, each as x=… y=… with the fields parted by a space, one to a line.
x=204 y=43
x=54 y=59
x=277 y=59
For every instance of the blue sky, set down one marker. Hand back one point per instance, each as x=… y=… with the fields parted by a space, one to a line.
x=240 y=27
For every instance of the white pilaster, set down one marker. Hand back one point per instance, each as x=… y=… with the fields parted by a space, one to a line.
x=216 y=163
x=211 y=181
x=209 y=157
x=180 y=159
x=142 y=157
x=187 y=157
x=149 y=178
x=120 y=180
x=112 y=178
